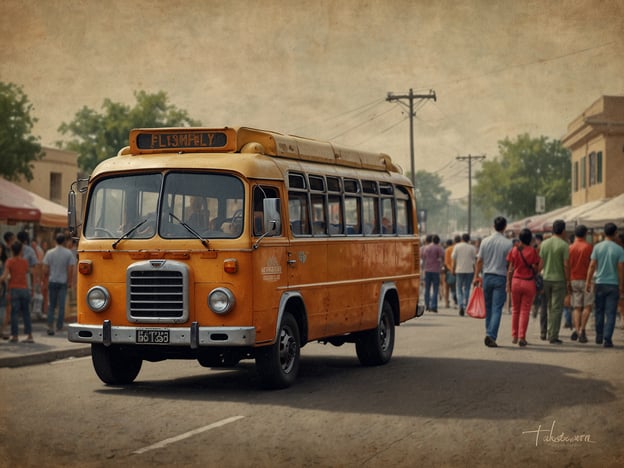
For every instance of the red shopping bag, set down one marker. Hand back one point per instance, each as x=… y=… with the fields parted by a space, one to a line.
x=476 y=303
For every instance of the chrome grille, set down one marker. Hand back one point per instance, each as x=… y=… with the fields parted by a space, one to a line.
x=157 y=291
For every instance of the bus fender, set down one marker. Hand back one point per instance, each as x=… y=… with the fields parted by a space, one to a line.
x=389 y=292
x=292 y=301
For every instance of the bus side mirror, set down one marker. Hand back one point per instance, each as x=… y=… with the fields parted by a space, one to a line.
x=71 y=212
x=272 y=220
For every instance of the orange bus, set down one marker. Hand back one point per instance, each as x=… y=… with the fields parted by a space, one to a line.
x=234 y=243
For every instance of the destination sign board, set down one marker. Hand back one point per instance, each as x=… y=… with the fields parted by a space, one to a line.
x=181 y=140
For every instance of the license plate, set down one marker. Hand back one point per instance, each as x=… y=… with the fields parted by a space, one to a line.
x=150 y=336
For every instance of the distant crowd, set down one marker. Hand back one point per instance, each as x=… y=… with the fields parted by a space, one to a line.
x=34 y=280
x=558 y=278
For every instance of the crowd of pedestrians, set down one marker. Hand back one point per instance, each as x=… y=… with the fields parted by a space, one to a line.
x=550 y=277
x=33 y=281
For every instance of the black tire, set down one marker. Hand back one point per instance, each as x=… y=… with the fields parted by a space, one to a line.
x=113 y=366
x=374 y=347
x=278 y=364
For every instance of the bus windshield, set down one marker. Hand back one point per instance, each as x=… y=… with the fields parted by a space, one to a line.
x=177 y=205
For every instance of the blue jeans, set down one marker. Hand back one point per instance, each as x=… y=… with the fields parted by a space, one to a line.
x=432 y=279
x=495 y=292
x=464 y=280
x=20 y=303
x=57 y=292
x=605 y=307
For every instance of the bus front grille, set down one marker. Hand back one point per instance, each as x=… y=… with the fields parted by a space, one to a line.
x=157 y=292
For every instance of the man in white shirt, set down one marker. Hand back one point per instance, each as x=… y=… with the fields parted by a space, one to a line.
x=59 y=264
x=464 y=256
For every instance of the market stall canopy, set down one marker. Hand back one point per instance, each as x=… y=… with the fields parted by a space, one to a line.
x=611 y=211
x=18 y=204
x=574 y=214
x=537 y=223
x=517 y=226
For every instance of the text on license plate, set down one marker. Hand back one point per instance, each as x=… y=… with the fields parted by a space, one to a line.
x=150 y=336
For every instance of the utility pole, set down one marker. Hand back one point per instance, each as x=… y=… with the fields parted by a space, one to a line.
x=410 y=97
x=469 y=158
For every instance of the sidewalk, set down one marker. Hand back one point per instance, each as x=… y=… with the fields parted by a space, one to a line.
x=44 y=349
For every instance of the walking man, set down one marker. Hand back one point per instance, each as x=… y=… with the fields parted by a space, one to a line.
x=492 y=260
x=463 y=260
x=581 y=300
x=59 y=264
x=432 y=258
x=555 y=255
x=607 y=262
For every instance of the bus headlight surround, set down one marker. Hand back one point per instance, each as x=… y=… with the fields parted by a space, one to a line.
x=98 y=298
x=221 y=300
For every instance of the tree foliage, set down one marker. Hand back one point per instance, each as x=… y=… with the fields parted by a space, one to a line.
x=98 y=136
x=434 y=198
x=526 y=168
x=19 y=147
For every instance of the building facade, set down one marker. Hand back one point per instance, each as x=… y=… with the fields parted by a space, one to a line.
x=53 y=175
x=596 y=141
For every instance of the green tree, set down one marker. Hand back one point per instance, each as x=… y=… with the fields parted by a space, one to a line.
x=98 y=136
x=434 y=198
x=19 y=147
x=526 y=168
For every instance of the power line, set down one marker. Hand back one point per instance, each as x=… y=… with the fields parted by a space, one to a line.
x=370 y=119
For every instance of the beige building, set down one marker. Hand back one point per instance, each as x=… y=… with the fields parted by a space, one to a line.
x=53 y=175
x=596 y=140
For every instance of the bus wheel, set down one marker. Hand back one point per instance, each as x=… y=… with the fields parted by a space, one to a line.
x=278 y=364
x=374 y=347
x=114 y=367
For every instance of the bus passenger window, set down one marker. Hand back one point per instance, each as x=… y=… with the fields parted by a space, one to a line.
x=298 y=213
x=370 y=215
x=319 y=226
x=352 y=215
x=335 y=215
x=387 y=220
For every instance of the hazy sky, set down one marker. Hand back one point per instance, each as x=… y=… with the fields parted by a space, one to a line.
x=322 y=69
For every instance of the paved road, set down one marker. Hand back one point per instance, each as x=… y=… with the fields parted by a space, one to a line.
x=444 y=400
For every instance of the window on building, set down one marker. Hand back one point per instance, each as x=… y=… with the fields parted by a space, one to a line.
x=56 y=179
x=583 y=182
x=592 y=168
x=575 y=176
x=599 y=167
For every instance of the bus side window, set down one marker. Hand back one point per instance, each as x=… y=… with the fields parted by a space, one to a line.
x=352 y=215
x=298 y=213
x=387 y=220
x=371 y=217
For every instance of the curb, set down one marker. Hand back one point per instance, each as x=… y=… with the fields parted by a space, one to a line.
x=44 y=357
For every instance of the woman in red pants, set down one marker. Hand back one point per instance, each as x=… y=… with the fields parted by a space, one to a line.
x=524 y=264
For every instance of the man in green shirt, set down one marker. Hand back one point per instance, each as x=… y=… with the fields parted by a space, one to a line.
x=556 y=272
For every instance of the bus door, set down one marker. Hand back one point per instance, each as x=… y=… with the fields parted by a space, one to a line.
x=269 y=266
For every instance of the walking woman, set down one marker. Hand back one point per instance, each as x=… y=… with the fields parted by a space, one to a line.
x=524 y=265
x=16 y=272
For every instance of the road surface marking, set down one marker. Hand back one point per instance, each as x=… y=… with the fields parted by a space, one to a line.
x=186 y=435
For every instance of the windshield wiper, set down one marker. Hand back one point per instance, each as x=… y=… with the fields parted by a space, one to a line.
x=190 y=229
x=130 y=231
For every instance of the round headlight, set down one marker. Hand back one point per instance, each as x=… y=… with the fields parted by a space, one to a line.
x=98 y=299
x=221 y=300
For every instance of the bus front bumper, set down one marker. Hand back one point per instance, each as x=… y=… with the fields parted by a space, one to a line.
x=194 y=337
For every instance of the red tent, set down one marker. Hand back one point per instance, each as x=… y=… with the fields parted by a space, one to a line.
x=18 y=204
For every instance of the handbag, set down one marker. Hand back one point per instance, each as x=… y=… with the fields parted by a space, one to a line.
x=476 y=303
x=539 y=279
